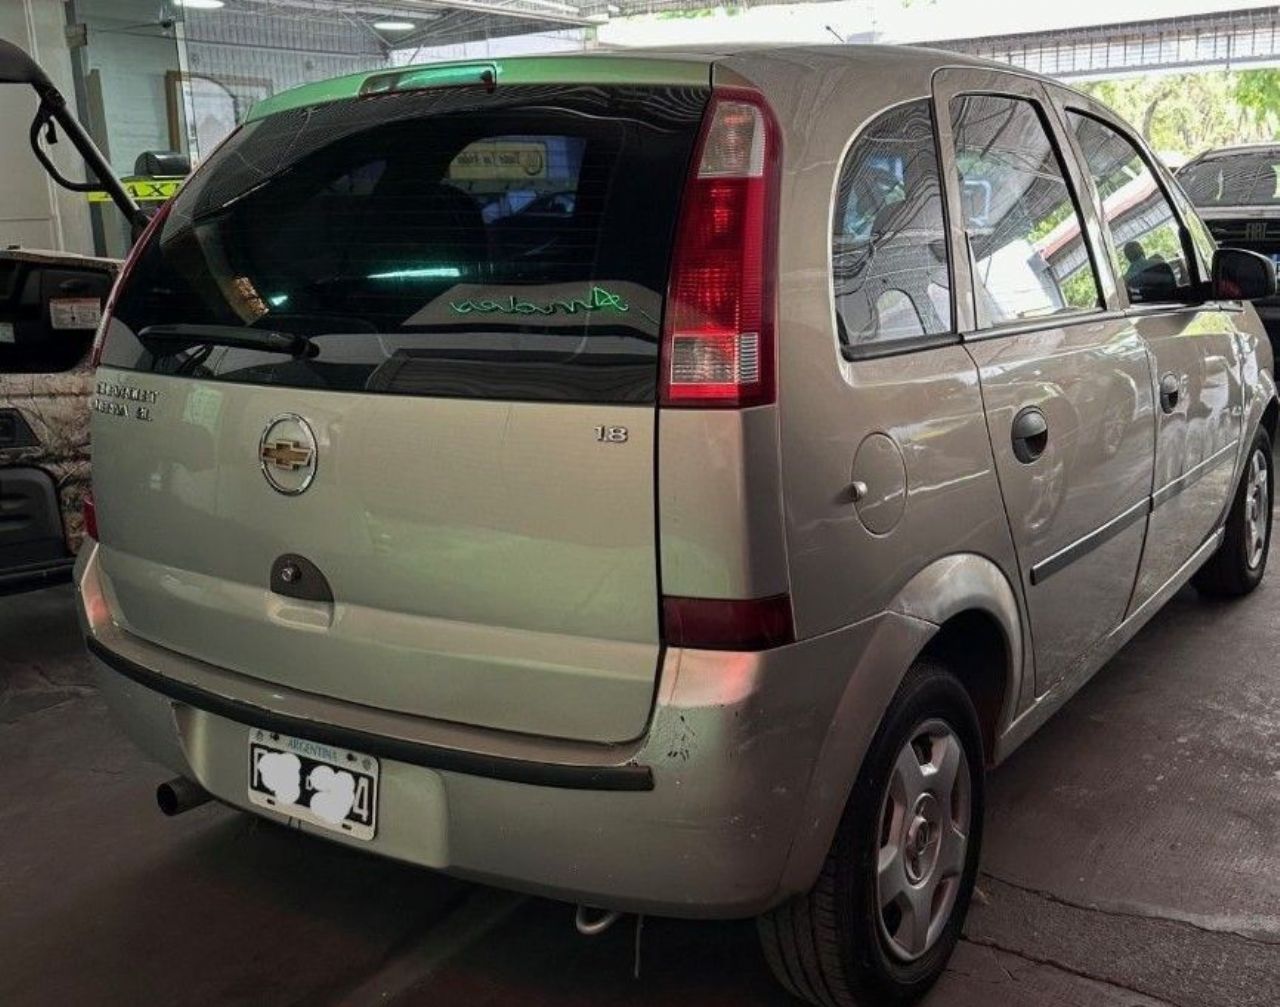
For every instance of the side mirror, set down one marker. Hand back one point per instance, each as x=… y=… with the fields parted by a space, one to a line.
x=1239 y=275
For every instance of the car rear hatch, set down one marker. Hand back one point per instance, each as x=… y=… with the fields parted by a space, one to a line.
x=376 y=415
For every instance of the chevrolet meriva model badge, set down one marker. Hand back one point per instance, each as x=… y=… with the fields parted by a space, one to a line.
x=287 y=454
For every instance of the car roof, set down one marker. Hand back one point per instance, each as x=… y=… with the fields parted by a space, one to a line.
x=656 y=65
x=1240 y=148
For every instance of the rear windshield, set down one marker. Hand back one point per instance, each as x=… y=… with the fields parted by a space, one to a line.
x=453 y=242
x=1246 y=179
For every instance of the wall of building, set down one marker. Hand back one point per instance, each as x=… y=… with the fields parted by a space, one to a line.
x=34 y=212
x=238 y=58
x=128 y=63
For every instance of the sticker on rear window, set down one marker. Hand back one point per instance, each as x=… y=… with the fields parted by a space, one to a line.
x=500 y=160
x=549 y=306
x=6 y=333
x=75 y=312
x=599 y=299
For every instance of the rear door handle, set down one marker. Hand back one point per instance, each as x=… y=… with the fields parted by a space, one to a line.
x=1030 y=434
x=1170 y=389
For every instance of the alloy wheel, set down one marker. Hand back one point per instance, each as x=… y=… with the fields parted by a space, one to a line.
x=1257 y=509
x=924 y=839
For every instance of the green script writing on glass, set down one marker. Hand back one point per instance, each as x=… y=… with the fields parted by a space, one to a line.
x=599 y=299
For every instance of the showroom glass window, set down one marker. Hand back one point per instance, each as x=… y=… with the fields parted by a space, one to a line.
x=1026 y=239
x=888 y=235
x=1146 y=239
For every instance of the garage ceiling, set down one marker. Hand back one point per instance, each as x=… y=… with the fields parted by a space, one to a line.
x=438 y=22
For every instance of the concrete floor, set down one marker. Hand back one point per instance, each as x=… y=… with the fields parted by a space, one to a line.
x=1133 y=858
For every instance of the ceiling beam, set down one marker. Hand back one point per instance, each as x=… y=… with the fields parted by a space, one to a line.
x=552 y=11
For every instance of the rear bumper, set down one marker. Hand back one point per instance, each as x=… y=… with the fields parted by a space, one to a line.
x=710 y=814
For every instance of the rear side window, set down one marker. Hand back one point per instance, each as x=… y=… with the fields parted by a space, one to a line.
x=1146 y=238
x=451 y=242
x=1029 y=256
x=49 y=309
x=888 y=240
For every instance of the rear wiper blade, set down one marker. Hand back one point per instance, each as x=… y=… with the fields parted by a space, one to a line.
x=237 y=336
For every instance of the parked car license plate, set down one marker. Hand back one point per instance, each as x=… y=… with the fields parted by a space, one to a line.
x=330 y=787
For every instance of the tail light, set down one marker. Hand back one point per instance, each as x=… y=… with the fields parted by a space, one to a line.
x=90 y=513
x=718 y=340
x=139 y=246
x=728 y=624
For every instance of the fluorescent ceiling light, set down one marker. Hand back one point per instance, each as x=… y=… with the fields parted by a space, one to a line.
x=556 y=5
x=201 y=4
x=394 y=25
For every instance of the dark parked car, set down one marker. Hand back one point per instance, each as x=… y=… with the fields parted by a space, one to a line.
x=1237 y=191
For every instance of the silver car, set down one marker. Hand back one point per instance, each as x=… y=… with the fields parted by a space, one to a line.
x=665 y=481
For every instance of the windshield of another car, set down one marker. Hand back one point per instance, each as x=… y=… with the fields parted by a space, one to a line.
x=1249 y=178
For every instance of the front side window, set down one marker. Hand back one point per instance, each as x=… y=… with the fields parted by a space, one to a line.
x=1146 y=239
x=888 y=237
x=1029 y=256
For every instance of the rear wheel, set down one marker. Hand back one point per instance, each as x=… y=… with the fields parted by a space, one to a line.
x=888 y=907
x=1240 y=562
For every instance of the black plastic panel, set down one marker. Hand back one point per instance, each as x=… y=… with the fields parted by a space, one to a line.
x=30 y=521
x=296 y=576
x=15 y=432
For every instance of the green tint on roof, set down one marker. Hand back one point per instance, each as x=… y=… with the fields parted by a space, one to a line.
x=578 y=69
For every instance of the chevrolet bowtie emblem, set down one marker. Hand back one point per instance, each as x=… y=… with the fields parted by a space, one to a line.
x=288 y=455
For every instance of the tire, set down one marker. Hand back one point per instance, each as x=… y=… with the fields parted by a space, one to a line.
x=1240 y=562
x=833 y=946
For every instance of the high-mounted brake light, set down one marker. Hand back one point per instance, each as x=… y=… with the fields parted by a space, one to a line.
x=718 y=340
x=420 y=78
x=139 y=246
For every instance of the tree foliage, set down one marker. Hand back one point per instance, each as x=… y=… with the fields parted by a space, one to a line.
x=1187 y=113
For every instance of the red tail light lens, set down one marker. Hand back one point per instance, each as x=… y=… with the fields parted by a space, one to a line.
x=90 y=512
x=144 y=239
x=718 y=340
x=728 y=624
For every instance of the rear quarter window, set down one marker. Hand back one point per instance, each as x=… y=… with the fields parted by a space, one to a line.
x=453 y=242
x=888 y=236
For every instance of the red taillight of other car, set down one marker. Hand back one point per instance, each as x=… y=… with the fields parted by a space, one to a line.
x=90 y=513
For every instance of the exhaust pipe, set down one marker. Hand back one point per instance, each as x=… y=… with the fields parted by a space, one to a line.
x=591 y=926
x=179 y=795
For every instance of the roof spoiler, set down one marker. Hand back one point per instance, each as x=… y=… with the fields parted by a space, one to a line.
x=16 y=67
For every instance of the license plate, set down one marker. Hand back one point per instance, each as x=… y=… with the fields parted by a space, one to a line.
x=329 y=787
